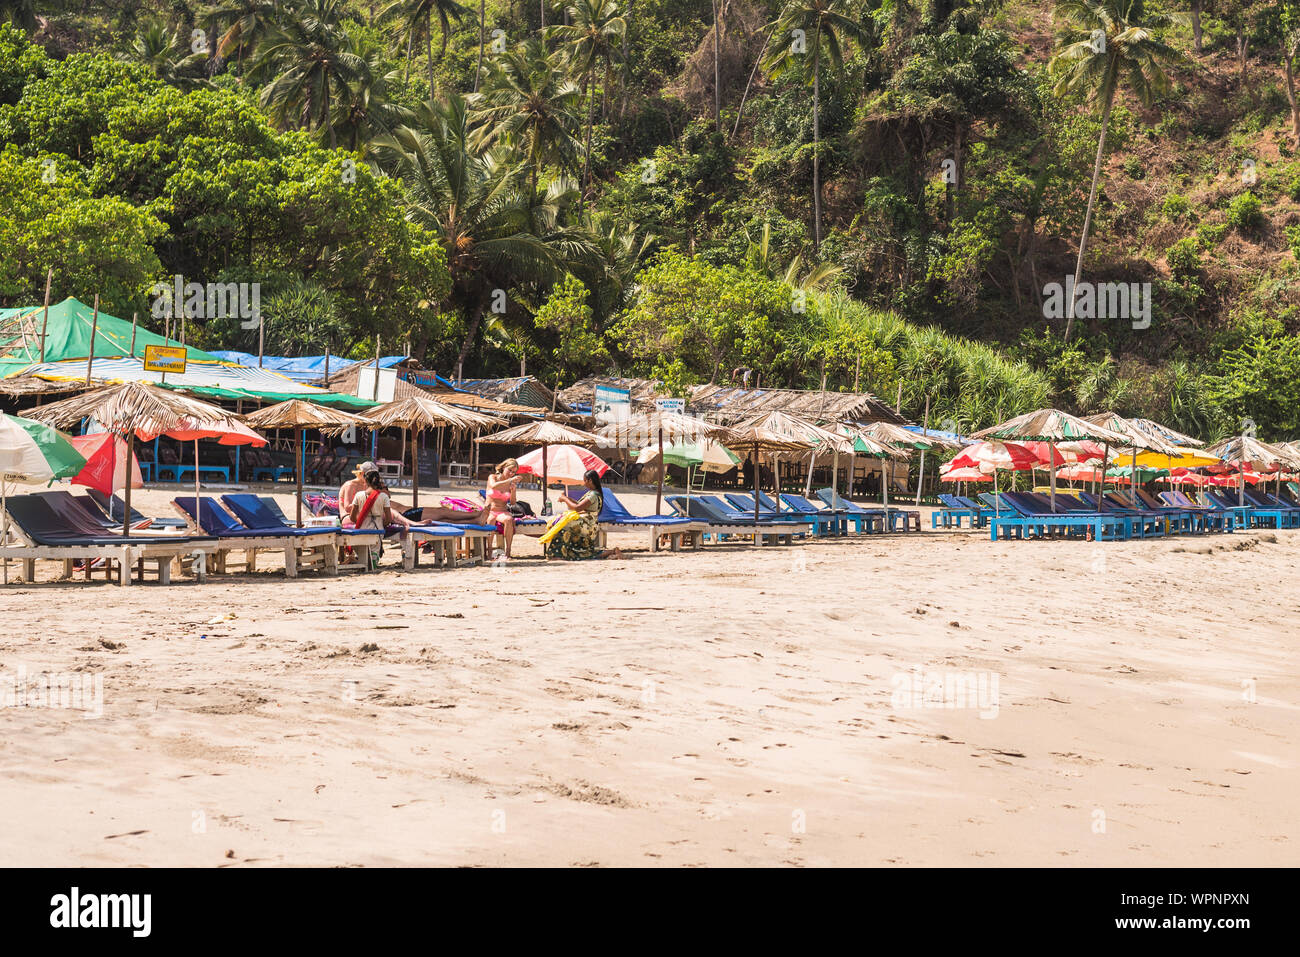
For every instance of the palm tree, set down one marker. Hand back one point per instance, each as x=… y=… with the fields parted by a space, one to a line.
x=21 y=13
x=307 y=60
x=593 y=37
x=167 y=54
x=493 y=235
x=819 y=25
x=246 y=22
x=760 y=257
x=417 y=16
x=1105 y=43
x=363 y=110
x=530 y=103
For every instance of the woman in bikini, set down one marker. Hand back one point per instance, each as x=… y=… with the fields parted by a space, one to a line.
x=501 y=486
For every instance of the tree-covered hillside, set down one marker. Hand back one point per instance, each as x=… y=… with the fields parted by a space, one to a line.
x=869 y=193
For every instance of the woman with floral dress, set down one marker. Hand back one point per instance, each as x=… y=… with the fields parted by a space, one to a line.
x=577 y=540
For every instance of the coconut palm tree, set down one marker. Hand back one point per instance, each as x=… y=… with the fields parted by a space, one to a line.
x=814 y=30
x=167 y=54
x=245 y=23
x=495 y=237
x=1105 y=44
x=21 y=13
x=417 y=16
x=593 y=37
x=307 y=61
x=530 y=103
x=363 y=110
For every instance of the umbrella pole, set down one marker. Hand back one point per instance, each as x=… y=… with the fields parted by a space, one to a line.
x=198 y=505
x=807 y=485
x=1133 y=478
x=297 y=461
x=753 y=455
x=4 y=510
x=884 y=482
x=1241 y=479
x=544 y=482
x=415 y=468
x=126 y=508
x=663 y=467
x=1051 y=477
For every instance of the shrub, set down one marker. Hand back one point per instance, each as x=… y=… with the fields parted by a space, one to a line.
x=1210 y=235
x=1184 y=259
x=1176 y=207
x=1244 y=212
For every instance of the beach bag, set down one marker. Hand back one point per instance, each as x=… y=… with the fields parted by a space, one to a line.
x=558 y=526
x=520 y=509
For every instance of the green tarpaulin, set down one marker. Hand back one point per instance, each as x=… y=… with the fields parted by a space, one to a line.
x=67 y=334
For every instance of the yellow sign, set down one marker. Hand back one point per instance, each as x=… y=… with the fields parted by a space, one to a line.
x=164 y=359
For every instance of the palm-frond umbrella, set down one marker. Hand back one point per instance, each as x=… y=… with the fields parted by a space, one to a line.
x=1172 y=436
x=663 y=425
x=545 y=433
x=145 y=411
x=31 y=453
x=417 y=413
x=886 y=433
x=753 y=440
x=300 y=416
x=820 y=439
x=872 y=447
x=707 y=455
x=1246 y=451
x=1051 y=425
x=1139 y=440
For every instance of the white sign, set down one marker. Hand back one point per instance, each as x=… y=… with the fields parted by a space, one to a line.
x=612 y=404
x=671 y=405
x=366 y=384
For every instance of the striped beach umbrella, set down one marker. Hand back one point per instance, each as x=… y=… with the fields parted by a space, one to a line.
x=31 y=454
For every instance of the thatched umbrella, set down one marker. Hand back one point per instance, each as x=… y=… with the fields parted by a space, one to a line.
x=872 y=448
x=1247 y=451
x=755 y=439
x=1139 y=440
x=1051 y=425
x=1172 y=436
x=301 y=416
x=145 y=411
x=543 y=432
x=417 y=413
x=894 y=436
x=673 y=426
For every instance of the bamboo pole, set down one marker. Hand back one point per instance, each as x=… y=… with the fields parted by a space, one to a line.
x=659 y=494
x=925 y=429
x=298 y=466
x=49 y=278
x=135 y=320
x=94 y=328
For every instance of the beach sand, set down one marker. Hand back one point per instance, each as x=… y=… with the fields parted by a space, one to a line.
x=735 y=706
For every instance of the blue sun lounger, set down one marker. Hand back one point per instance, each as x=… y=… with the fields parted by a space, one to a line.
x=1029 y=517
x=301 y=547
x=770 y=511
x=1215 y=519
x=679 y=531
x=838 y=517
x=870 y=520
x=56 y=530
x=724 y=522
x=1250 y=515
x=1267 y=503
x=114 y=507
x=954 y=511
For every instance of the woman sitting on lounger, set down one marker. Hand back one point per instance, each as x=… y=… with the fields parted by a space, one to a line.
x=350 y=489
x=577 y=539
x=501 y=487
x=372 y=508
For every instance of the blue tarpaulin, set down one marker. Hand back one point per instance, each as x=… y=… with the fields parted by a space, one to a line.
x=303 y=368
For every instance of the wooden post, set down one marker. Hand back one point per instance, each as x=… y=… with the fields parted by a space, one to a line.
x=49 y=278
x=375 y=394
x=261 y=339
x=94 y=328
x=415 y=468
x=297 y=463
x=130 y=470
x=135 y=319
x=925 y=430
x=663 y=468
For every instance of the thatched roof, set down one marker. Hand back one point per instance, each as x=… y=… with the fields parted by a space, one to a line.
x=1050 y=425
x=425 y=412
x=643 y=392
x=1166 y=433
x=345 y=381
x=731 y=405
x=297 y=414
x=541 y=432
x=1138 y=437
x=756 y=438
x=523 y=390
x=798 y=429
x=645 y=428
x=1257 y=455
x=141 y=407
x=34 y=385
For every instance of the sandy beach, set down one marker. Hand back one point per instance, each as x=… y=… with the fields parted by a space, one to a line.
x=735 y=706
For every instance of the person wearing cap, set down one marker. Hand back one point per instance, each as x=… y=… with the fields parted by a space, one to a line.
x=371 y=507
x=350 y=489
